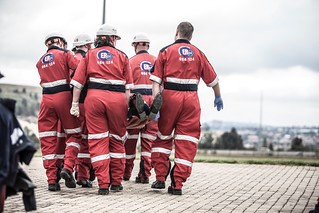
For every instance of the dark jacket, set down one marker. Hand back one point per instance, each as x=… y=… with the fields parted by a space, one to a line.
x=16 y=148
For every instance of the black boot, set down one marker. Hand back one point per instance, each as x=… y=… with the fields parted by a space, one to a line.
x=139 y=105
x=116 y=188
x=158 y=185
x=156 y=106
x=54 y=187
x=174 y=191
x=103 y=191
x=68 y=177
x=84 y=183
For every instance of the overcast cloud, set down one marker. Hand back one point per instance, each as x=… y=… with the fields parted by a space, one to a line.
x=257 y=47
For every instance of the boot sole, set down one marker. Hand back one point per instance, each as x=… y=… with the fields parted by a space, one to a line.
x=139 y=104
x=69 y=182
x=173 y=191
x=156 y=106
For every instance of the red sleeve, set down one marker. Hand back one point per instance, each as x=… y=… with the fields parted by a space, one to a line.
x=158 y=69
x=80 y=77
x=208 y=75
x=72 y=61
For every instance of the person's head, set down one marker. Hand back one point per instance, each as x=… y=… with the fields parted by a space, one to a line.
x=83 y=42
x=141 y=42
x=106 y=35
x=184 y=31
x=56 y=39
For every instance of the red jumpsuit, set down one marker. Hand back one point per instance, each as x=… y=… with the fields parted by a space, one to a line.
x=83 y=161
x=141 y=64
x=179 y=68
x=108 y=73
x=53 y=68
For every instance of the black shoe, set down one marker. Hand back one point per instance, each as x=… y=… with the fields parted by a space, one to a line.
x=116 y=188
x=139 y=104
x=68 y=177
x=174 y=191
x=156 y=106
x=158 y=185
x=103 y=191
x=126 y=178
x=92 y=174
x=141 y=180
x=84 y=183
x=54 y=187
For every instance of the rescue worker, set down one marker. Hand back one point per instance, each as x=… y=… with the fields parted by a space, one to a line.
x=53 y=68
x=178 y=68
x=109 y=79
x=82 y=43
x=141 y=64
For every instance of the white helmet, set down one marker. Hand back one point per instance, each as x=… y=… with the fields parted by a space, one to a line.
x=54 y=35
x=82 y=39
x=141 y=37
x=109 y=30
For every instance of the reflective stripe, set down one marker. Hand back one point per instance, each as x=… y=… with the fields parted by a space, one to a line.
x=98 y=136
x=54 y=83
x=187 y=138
x=213 y=83
x=76 y=84
x=156 y=79
x=100 y=157
x=184 y=162
x=117 y=155
x=129 y=86
x=106 y=81
x=52 y=157
x=147 y=154
x=119 y=138
x=83 y=155
x=161 y=150
x=73 y=144
x=132 y=136
x=148 y=136
x=60 y=135
x=72 y=131
x=182 y=81
x=164 y=137
x=57 y=156
x=48 y=157
x=84 y=136
x=143 y=86
x=130 y=156
x=47 y=134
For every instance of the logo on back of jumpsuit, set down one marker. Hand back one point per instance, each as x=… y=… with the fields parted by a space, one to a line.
x=146 y=67
x=104 y=56
x=48 y=60
x=186 y=54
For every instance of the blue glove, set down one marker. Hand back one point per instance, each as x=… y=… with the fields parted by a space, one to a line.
x=219 y=103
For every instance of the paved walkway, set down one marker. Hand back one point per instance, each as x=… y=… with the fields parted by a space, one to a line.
x=211 y=188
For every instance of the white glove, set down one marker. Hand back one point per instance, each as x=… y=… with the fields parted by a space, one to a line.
x=75 y=109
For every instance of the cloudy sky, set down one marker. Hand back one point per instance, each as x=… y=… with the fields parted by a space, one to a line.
x=264 y=51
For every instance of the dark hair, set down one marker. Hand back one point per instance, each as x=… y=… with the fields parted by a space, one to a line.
x=102 y=40
x=185 y=30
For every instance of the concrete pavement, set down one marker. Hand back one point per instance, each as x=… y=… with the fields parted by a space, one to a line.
x=211 y=188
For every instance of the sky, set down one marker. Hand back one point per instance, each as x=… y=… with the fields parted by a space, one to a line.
x=265 y=52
